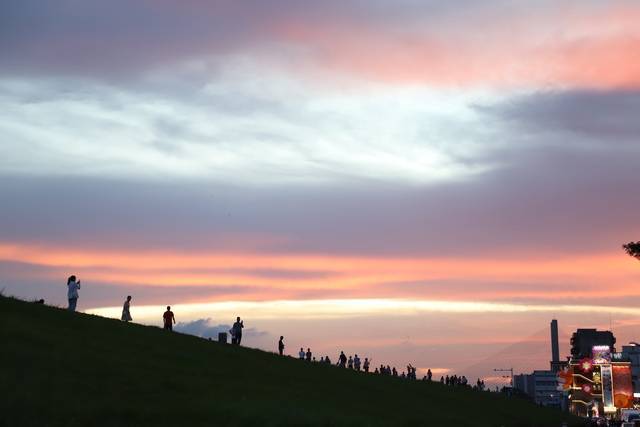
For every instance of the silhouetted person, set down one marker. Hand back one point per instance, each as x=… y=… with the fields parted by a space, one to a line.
x=327 y=360
x=350 y=363
x=429 y=374
x=441 y=380
x=301 y=354
x=281 y=345
x=169 y=319
x=342 y=360
x=366 y=365
x=126 y=316
x=72 y=292
x=237 y=331
x=394 y=372
x=308 y=355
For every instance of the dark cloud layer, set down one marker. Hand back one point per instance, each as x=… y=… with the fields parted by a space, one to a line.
x=565 y=183
x=608 y=117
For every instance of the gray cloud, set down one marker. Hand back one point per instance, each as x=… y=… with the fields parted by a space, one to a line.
x=605 y=117
x=206 y=328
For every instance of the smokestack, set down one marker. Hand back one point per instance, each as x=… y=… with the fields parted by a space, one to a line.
x=555 y=351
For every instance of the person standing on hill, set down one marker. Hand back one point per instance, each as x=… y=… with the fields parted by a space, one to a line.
x=350 y=363
x=126 y=316
x=429 y=374
x=308 y=355
x=342 y=360
x=169 y=319
x=72 y=292
x=301 y=354
x=281 y=345
x=237 y=330
x=356 y=362
x=366 y=365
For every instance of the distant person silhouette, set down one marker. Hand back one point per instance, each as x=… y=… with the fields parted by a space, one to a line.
x=327 y=360
x=429 y=374
x=308 y=355
x=350 y=363
x=126 y=316
x=237 y=331
x=356 y=362
x=342 y=360
x=366 y=365
x=72 y=292
x=301 y=354
x=281 y=345
x=169 y=319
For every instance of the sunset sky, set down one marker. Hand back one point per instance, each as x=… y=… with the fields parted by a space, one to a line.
x=425 y=182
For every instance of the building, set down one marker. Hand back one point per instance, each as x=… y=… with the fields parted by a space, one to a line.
x=524 y=383
x=541 y=386
x=583 y=341
x=598 y=379
x=631 y=353
x=546 y=389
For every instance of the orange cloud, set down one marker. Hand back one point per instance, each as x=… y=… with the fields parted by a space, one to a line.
x=292 y=276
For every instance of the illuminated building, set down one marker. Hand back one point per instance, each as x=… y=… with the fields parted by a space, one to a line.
x=598 y=380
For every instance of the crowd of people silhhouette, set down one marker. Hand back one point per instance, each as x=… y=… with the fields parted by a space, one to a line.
x=354 y=362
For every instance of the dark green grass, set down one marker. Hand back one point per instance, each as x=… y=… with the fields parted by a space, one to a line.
x=60 y=368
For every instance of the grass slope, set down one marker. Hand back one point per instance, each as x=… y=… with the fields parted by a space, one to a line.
x=60 y=368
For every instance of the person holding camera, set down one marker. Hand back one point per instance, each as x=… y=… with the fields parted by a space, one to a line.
x=72 y=292
x=237 y=331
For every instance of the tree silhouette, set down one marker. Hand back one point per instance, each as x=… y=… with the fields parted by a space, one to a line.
x=633 y=249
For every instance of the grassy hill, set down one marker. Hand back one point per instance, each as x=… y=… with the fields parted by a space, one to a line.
x=71 y=369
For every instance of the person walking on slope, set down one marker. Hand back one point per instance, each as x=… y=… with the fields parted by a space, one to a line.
x=281 y=345
x=237 y=331
x=72 y=292
x=356 y=362
x=169 y=319
x=126 y=316
x=350 y=363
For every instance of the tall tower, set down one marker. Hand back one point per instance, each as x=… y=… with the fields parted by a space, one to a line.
x=555 y=350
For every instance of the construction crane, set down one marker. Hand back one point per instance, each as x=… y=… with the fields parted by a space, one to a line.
x=510 y=370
